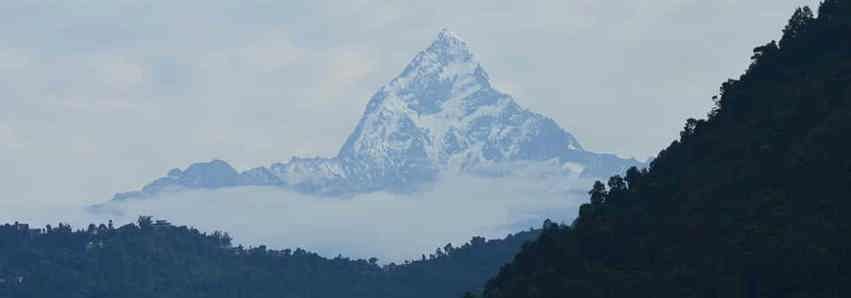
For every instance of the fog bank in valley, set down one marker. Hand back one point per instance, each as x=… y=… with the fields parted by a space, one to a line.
x=393 y=227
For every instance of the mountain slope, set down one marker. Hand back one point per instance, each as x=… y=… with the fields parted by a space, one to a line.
x=440 y=114
x=155 y=259
x=751 y=202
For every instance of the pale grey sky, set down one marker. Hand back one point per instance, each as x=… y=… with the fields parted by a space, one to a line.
x=98 y=97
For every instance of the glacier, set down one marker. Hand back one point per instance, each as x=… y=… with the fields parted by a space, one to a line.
x=440 y=115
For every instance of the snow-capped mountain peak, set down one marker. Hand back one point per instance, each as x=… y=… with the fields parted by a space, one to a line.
x=446 y=49
x=447 y=65
x=440 y=114
x=447 y=36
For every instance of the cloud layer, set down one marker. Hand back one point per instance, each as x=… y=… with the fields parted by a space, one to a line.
x=100 y=97
x=394 y=227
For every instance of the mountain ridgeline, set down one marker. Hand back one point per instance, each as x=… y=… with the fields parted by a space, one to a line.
x=156 y=259
x=753 y=201
x=440 y=115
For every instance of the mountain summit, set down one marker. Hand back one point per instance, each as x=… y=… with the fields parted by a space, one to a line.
x=440 y=114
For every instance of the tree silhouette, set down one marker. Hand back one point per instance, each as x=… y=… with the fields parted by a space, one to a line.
x=750 y=202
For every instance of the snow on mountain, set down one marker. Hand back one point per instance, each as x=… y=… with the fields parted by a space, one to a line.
x=440 y=114
x=204 y=175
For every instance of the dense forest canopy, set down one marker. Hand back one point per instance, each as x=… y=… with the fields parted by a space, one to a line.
x=753 y=201
x=153 y=258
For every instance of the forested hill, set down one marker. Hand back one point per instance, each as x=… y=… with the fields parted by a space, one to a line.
x=156 y=259
x=754 y=201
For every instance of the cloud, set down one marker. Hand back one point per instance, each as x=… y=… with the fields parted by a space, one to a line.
x=351 y=65
x=105 y=96
x=393 y=227
x=13 y=60
x=8 y=138
x=267 y=54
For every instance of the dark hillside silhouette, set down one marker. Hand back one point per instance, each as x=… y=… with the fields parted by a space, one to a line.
x=754 y=201
x=155 y=259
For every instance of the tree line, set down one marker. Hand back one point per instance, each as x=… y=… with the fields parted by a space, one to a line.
x=753 y=201
x=153 y=258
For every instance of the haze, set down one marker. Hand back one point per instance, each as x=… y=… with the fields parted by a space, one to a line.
x=107 y=96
